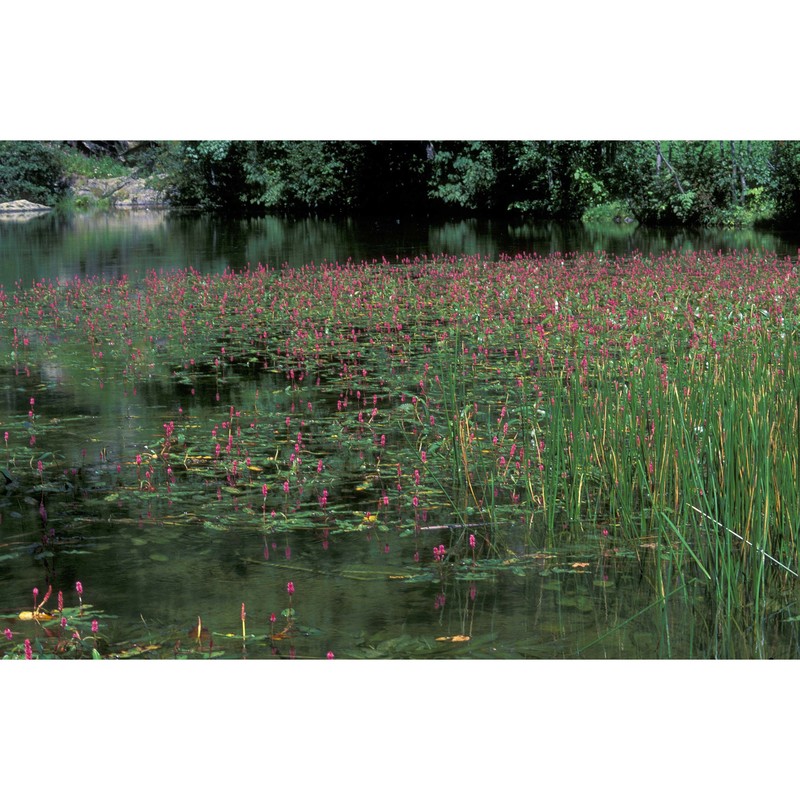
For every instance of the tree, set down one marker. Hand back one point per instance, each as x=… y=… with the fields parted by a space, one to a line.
x=31 y=171
x=785 y=186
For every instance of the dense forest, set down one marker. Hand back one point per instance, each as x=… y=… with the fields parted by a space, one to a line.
x=728 y=183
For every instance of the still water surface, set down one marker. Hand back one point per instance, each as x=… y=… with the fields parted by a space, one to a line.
x=154 y=569
x=133 y=242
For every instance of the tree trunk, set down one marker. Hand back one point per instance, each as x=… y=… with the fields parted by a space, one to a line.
x=674 y=174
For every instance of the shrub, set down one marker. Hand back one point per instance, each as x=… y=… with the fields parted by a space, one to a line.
x=30 y=171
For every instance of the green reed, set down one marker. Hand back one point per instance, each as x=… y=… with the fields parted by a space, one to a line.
x=695 y=452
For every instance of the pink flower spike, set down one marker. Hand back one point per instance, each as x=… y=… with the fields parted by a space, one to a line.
x=95 y=626
x=28 y=650
x=78 y=587
x=290 y=588
x=330 y=655
x=7 y=633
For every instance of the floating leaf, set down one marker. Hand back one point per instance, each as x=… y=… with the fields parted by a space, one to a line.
x=39 y=616
x=137 y=650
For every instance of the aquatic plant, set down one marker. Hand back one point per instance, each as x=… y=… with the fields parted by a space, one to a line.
x=514 y=406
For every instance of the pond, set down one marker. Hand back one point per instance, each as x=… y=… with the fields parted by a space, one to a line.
x=132 y=242
x=234 y=455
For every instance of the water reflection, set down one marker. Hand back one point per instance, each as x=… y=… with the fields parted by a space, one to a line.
x=134 y=241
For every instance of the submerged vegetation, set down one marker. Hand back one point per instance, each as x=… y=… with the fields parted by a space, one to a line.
x=479 y=418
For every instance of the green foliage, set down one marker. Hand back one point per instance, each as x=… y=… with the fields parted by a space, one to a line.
x=304 y=175
x=559 y=179
x=208 y=175
x=463 y=174
x=90 y=166
x=615 y=211
x=729 y=183
x=691 y=182
x=262 y=176
x=30 y=171
x=785 y=158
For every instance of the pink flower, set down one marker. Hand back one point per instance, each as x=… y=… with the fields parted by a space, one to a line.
x=272 y=618
x=472 y=540
x=79 y=587
x=95 y=626
x=8 y=634
x=290 y=588
x=28 y=650
x=330 y=655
